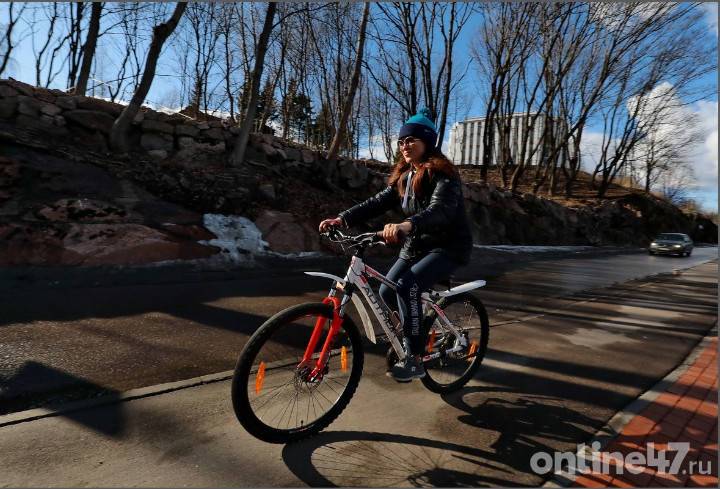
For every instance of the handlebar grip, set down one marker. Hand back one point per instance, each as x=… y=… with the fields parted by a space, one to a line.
x=401 y=234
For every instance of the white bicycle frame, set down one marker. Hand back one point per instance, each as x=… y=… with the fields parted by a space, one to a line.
x=357 y=278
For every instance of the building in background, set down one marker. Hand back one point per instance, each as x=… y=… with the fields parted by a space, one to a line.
x=465 y=145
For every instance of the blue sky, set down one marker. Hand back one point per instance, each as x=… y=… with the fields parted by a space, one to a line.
x=705 y=159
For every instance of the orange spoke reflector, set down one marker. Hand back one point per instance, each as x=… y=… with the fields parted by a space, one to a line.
x=473 y=349
x=343 y=359
x=260 y=378
x=431 y=341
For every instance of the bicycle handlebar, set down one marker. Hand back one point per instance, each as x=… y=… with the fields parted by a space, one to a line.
x=365 y=239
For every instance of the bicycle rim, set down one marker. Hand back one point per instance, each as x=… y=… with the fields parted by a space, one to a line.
x=276 y=395
x=452 y=370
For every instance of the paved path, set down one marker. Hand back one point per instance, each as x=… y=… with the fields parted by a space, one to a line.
x=548 y=383
x=92 y=334
x=687 y=412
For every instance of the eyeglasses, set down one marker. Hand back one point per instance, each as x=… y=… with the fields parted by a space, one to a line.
x=408 y=141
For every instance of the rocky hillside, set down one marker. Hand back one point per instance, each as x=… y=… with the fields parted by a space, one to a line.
x=66 y=199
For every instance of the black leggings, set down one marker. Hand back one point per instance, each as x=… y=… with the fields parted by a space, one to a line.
x=414 y=277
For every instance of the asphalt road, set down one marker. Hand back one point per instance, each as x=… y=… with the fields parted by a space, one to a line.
x=70 y=340
x=576 y=340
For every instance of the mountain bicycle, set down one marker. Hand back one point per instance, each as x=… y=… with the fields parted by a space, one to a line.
x=300 y=369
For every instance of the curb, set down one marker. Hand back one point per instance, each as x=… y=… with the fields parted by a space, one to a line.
x=615 y=425
x=153 y=390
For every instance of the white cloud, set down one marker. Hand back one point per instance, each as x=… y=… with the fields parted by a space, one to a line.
x=705 y=163
x=711 y=15
x=377 y=147
x=702 y=156
x=590 y=149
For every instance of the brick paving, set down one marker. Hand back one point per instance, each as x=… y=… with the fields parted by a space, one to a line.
x=686 y=412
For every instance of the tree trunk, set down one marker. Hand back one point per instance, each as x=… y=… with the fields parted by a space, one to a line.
x=347 y=106
x=515 y=179
x=89 y=49
x=9 y=26
x=119 y=132
x=241 y=142
x=604 y=185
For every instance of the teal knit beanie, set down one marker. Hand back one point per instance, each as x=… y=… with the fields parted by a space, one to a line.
x=422 y=127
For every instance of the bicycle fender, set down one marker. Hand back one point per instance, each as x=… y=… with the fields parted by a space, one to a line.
x=462 y=288
x=326 y=275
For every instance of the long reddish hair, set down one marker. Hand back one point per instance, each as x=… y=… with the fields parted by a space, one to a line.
x=433 y=161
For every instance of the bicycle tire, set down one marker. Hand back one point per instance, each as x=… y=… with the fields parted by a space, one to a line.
x=241 y=401
x=444 y=388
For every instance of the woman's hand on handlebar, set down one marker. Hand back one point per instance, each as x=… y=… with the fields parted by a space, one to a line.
x=336 y=221
x=393 y=233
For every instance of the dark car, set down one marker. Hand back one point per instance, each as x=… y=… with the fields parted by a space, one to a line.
x=671 y=244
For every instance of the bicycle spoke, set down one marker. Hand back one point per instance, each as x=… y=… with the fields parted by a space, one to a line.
x=450 y=367
x=281 y=389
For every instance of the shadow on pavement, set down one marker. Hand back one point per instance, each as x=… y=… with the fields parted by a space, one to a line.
x=37 y=377
x=369 y=459
x=521 y=421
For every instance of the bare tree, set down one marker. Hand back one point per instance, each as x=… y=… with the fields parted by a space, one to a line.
x=129 y=68
x=118 y=134
x=504 y=48
x=661 y=75
x=228 y=19
x=203 y=37
x=347 y=106
x=51 y=14
x=76 y=14
x=450 y=31
x=662 y=156
x=6 y=44
x=88 y=51
x=414 y=52
x=242 y=139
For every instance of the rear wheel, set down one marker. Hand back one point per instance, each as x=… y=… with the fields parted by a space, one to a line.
x=274 y=397
x=451 y=371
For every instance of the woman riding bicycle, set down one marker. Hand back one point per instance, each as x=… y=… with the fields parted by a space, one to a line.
x=427 y=187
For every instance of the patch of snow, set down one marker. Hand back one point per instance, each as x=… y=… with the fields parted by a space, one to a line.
x=241 y=241
x=533 y=249
x=237 y=236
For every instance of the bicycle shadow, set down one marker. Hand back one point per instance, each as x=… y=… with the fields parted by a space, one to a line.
x=526 y=423
x=371 y=459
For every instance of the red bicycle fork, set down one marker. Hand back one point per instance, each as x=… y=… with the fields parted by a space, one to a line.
x=319 y=367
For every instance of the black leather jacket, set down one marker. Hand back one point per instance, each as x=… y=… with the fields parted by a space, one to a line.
x=438 y=216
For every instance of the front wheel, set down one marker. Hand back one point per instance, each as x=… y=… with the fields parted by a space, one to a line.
x=274 y=396
x=451 y=371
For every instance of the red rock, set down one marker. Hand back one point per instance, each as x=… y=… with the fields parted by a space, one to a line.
x=91 y=210
x=129 y=244
x=24 y=245
x=285 y=234
x=191 y=232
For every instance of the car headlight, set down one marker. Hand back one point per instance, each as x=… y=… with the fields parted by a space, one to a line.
x=677 y=246
x=653 y=243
